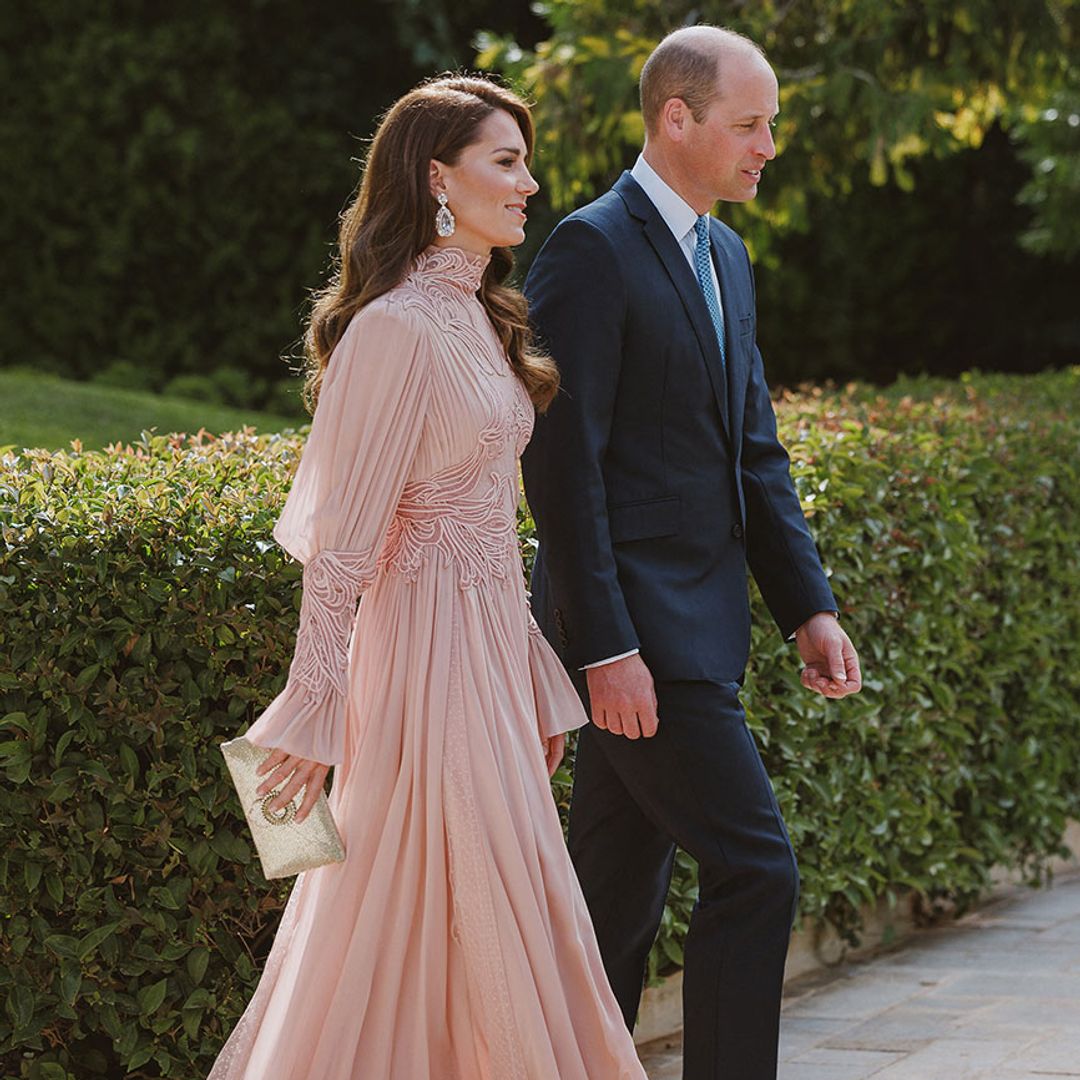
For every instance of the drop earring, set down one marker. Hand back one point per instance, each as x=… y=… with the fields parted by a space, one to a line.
x=444 y=219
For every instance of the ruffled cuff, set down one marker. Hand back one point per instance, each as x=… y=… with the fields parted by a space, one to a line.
x=558 y=707
x=307 y=719
x=307 y=727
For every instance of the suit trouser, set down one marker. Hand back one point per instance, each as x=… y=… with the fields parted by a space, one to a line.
x=699 y=783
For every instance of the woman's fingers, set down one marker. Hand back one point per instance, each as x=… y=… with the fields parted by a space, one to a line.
x=273 y=759
x=295 y=773
x=314 y=790
x=554 y=749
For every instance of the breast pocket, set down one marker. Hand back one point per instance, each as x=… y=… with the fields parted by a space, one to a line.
x=645 y=519
x=746 y=325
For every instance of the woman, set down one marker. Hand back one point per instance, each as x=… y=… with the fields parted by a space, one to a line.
x=453 y=942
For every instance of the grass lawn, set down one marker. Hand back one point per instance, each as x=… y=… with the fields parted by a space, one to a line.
x=47 y=411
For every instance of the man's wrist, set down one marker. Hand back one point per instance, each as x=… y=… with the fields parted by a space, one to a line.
x=803 y=626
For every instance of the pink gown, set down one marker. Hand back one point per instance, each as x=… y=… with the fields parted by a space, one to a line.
x=453 y=943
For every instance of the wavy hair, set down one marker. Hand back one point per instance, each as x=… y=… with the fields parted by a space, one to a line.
x=392 y=219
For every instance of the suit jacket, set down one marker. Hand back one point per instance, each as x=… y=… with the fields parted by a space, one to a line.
x=654 y=479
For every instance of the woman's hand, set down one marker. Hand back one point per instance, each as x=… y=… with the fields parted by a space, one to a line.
x=554 y=748
x=295 y=773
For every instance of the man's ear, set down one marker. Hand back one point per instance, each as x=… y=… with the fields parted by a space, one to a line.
x=674 y=118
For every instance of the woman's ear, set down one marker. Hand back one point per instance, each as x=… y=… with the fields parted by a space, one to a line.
x=436 y=178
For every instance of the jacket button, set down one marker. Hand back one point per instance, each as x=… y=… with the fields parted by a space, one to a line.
x=737 y=530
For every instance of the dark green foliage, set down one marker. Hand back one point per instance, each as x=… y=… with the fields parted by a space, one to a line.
x=173 y=173
x=886 y=231
x=948 y=515
x=890 y=282
x=1050 y=146
x=147 y=615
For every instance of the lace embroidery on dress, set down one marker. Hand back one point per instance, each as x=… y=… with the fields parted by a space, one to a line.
x=474 y=922
x=333 y=581
x=524 y=415
x=463 y=513
x=437 y=285
x=467 y=512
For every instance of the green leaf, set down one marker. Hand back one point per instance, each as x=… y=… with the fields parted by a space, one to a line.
x=54 y=886
x=32 y=875
x=20 y=1006
x=129 y=761
x=141 y=1056
x=151 y=997
x=192 y=1021
x=14 y=749
x=70 y=982
x=63 y=945
x=94 y=938
x=200 y=998
x=197 y=961
x=86 y=677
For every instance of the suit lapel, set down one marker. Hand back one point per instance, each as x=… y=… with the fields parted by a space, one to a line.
x=682 y=277
x=728 y=274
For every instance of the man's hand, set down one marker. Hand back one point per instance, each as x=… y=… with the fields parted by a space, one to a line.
x=832 y=665
x=622 y=697
x=299 y=773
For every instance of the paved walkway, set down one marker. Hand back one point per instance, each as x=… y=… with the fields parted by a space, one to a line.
x=994 y=996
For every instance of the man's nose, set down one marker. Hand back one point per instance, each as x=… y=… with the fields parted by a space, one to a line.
x=767 y=147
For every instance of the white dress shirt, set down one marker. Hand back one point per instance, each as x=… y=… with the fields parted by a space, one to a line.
x=678 y=215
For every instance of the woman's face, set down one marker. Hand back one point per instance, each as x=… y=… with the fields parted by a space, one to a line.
x=487 y=188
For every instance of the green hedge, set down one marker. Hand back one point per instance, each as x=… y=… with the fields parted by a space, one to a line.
x=147 y=615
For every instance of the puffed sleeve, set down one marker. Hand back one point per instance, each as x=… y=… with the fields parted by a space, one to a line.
x=364 y=437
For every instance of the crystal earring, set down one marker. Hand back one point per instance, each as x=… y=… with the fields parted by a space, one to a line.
x=444 y=219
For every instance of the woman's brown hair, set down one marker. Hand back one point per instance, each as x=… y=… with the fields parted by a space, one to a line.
x=392 y=219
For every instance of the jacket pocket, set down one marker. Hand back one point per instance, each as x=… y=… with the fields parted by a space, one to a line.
x=645 y=519
x=746 y=325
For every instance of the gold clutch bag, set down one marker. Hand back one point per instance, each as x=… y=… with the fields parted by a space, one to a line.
x=285 y=846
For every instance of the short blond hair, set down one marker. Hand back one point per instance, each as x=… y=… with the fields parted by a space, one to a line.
x=686 y=65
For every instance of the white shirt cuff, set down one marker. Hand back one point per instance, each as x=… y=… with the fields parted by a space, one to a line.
x=609 y=660
x=835 y=613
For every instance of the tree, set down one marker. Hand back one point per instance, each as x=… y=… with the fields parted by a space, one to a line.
x=866 y=86
x=1050 y=145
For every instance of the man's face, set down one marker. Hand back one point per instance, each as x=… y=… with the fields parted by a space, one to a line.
x=727 y=151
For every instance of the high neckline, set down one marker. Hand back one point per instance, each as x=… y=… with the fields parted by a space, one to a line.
x=453 y=265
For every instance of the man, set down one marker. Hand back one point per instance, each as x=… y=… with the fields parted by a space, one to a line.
x=654 y=479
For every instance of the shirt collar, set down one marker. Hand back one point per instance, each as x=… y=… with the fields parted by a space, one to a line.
x=678 y=215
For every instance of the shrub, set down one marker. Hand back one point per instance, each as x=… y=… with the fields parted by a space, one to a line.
x=238 y=387
x=196 y=387
x=284 y=398
x=125 y=374
x=148 y=615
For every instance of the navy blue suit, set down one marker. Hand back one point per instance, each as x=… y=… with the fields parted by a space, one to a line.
x=655 y=479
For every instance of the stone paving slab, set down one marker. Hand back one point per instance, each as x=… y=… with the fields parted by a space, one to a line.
x=995 y=996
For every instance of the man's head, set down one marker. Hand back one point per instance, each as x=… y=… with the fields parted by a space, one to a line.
x=708 y=97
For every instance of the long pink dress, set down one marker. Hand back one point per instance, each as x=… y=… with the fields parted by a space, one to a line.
x=453 y=943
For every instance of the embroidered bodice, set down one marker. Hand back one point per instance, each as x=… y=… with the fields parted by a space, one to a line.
x=411 y=468
x=464 y=512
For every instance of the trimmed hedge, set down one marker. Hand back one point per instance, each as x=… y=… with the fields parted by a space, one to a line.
x=148 y=615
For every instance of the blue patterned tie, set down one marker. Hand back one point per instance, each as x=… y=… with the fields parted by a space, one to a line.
x=701 y=265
